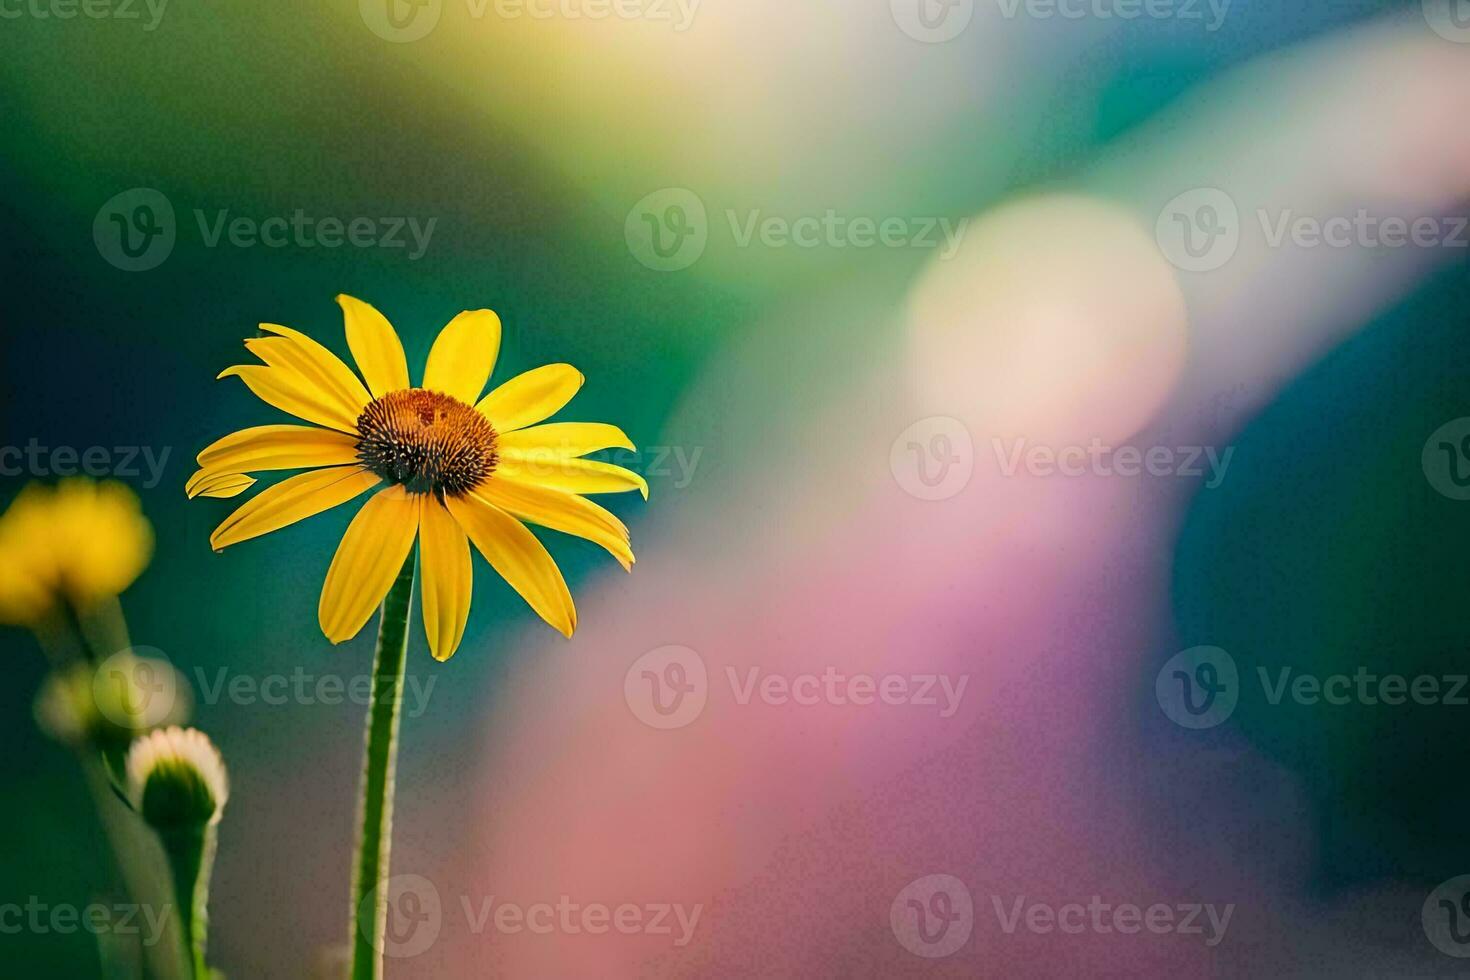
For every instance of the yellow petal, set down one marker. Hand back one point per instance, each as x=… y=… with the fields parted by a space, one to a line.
x=291 y=500
x=24 y=599
x=369 y=558
x=463 y=355
x=287 y=391
x=528 y=398
x=448 y=576
x=375 y=346
x=567 y=438
x=278 y=447
x=560 y=511
x=314 y=360
x=28 y=536
x=513 y=551
x=214 y=483
x=100 y=540
x=571 y=475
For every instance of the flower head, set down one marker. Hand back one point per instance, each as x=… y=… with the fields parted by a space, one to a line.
x=176 y=778
x=451 y=468
x=80 y=541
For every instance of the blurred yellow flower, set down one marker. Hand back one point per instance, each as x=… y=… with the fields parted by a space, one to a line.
x=80 y=541
x=458 y=468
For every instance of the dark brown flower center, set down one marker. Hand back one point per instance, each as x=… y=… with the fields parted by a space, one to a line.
x=427 y=441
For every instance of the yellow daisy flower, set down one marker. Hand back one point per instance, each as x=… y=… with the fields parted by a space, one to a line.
x=455 y=468
x=80 y=541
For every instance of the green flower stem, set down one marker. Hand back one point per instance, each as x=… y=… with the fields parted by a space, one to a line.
x=137 y=863
x=375 y=809
x=190 y=851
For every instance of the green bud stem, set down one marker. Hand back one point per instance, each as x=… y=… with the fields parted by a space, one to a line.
x=190 y=851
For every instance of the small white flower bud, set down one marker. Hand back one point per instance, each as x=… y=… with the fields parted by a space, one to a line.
x=175 y=778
